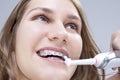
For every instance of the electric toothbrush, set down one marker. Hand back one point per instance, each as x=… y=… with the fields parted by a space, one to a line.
x=101 y=61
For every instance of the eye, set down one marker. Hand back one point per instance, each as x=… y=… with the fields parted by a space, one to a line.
x=41 y=18
x=72 y=26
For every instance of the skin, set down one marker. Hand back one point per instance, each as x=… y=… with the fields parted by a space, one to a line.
x=49 y=25
x=115 y=40
x=115 y=45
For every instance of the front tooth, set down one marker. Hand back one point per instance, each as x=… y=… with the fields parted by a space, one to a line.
x=49 y=52
x=52 y=53
x=43 y=53
x=57 y=53
x=60 y=54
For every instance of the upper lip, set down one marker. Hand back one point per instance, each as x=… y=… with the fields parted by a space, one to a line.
x=64 y=52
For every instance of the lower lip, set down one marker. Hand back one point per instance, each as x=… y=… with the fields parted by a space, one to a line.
x=54 y=60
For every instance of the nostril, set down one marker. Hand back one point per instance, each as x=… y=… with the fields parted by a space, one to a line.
x=52 y=36
x=58 y=36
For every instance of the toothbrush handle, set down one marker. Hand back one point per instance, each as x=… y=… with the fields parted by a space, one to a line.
x=90 y=61
x=115 y=62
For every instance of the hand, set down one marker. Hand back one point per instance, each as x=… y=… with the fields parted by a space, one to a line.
x=115 y=40
x=115 y=45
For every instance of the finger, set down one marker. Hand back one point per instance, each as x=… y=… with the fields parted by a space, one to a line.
x=115 y=41
x=115 y=44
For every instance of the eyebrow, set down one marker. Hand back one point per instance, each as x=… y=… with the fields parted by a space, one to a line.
x=74 y=17
x=47 y=10
x=42 y=9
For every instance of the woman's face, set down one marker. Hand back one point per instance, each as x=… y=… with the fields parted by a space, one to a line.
x=48 y=30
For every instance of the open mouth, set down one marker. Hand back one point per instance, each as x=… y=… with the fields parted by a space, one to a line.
x=51 y=54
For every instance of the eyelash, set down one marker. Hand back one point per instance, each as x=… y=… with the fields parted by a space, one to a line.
x=43 y=17
x=74 y=26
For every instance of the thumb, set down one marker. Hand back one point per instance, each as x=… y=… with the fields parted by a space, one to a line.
x=115 y=41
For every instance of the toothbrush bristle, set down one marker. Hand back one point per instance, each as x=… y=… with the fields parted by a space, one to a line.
x=67 y=60
x=65 y=57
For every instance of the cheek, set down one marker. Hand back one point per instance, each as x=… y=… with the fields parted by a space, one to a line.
x=29 y=35
x=77 y=44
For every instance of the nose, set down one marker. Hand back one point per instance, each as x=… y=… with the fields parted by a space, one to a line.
x=58 y=34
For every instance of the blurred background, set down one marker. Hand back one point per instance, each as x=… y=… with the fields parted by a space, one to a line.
x=104 y=19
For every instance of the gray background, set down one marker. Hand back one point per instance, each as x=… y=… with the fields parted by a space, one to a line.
x=103 y=17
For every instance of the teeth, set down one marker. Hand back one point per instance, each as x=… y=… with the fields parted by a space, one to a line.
x=49 y=52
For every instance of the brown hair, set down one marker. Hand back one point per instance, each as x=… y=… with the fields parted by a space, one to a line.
x=90 y=49
x=7 y=45
x=7 y=42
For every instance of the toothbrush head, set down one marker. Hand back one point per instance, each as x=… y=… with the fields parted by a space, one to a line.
x=67 y=61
